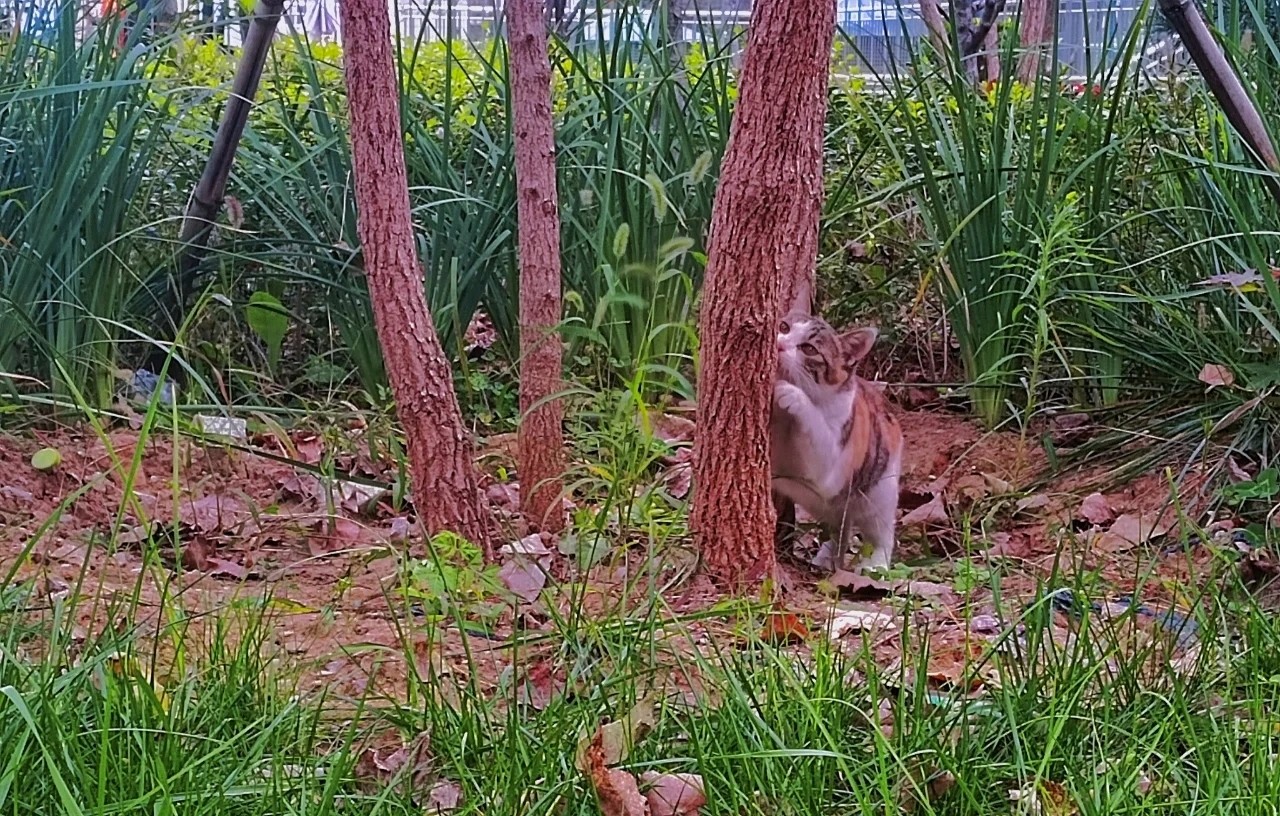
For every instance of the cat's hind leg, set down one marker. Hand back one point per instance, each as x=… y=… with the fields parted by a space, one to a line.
x=875 y=514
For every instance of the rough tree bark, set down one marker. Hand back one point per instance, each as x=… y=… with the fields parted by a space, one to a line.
x=936 y=26
x=1034 y=29
x=763 y=240
x=991 y=56
x=445 y=489
x=206 y=198
x=541 y=432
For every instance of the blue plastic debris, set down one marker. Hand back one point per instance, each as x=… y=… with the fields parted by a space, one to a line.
x=144 y=385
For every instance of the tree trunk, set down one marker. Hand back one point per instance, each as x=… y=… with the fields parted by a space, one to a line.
x=991 y=56
x=445 y=489
x=1033 y=35
x=1186 y=18
x=973 y=21
x=555 y=13
x=541 y=433
x=764 y=229
x=801 y=167
x=936 y=26
x=206 y=198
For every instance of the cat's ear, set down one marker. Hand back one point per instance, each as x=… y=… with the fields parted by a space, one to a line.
x=855 y=343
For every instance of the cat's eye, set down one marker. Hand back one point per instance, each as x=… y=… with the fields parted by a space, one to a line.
x=808 y=348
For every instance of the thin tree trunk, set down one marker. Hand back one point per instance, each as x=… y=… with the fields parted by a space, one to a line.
x=1032 y=38
x=763 y=240
x=541 y=433
x=206 y=198
x=445 y=489
x=991 y=55
x=1186 y=18
x=936 y=26
x=798 y=253
x=973 y=21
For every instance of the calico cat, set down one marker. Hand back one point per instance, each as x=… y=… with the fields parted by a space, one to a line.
x=836 y=449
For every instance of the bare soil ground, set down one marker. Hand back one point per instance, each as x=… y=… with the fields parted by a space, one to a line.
x=255 y=527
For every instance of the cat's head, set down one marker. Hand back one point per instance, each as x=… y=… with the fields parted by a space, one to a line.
x=810 y=351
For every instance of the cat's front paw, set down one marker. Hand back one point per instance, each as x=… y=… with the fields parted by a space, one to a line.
x=789 y=397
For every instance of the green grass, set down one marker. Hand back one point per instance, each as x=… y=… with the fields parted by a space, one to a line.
x=114 y=704
x=1063 y=234
x=778 y=730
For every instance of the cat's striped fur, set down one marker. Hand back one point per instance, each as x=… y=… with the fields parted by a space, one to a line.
x=836 y=449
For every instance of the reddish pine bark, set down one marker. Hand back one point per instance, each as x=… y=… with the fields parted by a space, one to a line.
x=1033 y=34
x=762 y=252
x=541 y=434
x=445 y=489
x=936 y=27
x=991 y=55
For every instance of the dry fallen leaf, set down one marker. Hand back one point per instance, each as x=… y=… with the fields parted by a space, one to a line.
x=920 y=786
x=1046 y=798
x=1214 y=375
x=328 y=537
x=444 y=797
x=678 y=478
x=214 y=513
x=525 y=578
x=782 y=626
x=673 y=794
x=671 y=428
x=221 y=566
x=1095 y=509
x=997 y=485
x=531 y=545
x=1238 y=474
x=196 y=554
x=926 y=590
x=541 y=685
x=931 y=512
x=1033 y=502
x=617 y=738
x=616 y=790
x=1133 y=529
x=970 y=488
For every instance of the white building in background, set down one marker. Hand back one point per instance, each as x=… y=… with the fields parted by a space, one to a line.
x=878 y=32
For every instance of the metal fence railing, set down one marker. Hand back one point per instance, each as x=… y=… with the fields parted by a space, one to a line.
x=1089 y=33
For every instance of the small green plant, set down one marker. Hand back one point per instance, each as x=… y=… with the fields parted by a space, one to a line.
x=1263 y=487
x=969 y=575
x=269 y=319
x=452 y=580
